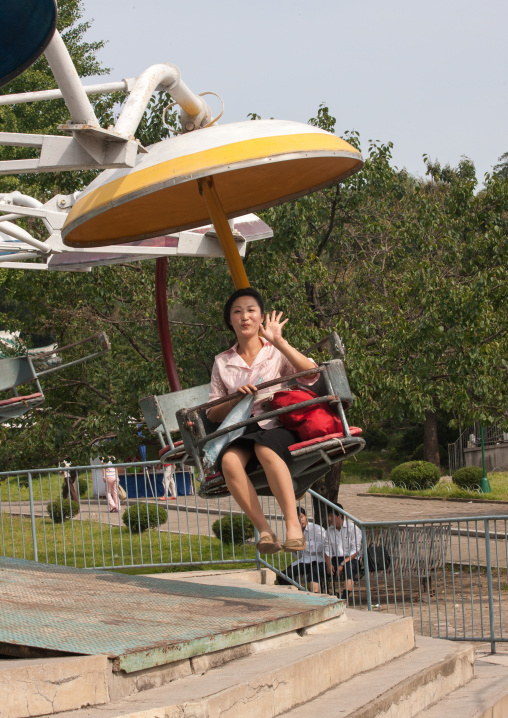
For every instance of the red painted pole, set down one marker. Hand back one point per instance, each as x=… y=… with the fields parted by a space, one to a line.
x=161 y=304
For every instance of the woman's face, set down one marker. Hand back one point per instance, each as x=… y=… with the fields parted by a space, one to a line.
x=245 y=317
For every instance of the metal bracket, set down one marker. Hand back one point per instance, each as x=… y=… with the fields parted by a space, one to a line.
x=88 y=148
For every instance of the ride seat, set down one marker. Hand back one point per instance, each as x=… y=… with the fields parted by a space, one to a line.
x=353 y=430
x=15 y=371
x=17 y=399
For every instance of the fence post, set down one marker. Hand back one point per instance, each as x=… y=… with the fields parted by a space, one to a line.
x=32 y=515
x=256 y=539
x=366 y=566
x=489 y=585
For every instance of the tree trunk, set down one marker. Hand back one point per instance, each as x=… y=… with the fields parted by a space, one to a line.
x=430 y=439
x=328 y=487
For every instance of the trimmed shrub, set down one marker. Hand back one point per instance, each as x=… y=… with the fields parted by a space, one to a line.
x=468 y=477
x=140 y=517
x=60 y=511
x=233 y=527
x=414 y=475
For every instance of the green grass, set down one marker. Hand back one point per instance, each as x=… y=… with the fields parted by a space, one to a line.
x=76 y=543
x=47 y=486
x=498 y=484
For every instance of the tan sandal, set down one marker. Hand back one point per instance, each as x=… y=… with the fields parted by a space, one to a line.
x=268 y=543
x=294 y=545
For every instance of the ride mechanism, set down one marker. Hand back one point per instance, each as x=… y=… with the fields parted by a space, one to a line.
x=191 y=195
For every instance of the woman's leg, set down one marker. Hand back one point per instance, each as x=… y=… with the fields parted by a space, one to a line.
x=240 y=486
x=112 y=495
x=281 y=485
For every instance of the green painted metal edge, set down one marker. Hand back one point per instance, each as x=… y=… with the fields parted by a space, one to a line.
x=141 y=660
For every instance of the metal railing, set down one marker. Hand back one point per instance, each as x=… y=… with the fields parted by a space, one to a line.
x=449 y=574
x=470 y=438
x=37 y=523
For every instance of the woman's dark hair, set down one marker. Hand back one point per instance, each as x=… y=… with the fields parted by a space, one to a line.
x=246 y=292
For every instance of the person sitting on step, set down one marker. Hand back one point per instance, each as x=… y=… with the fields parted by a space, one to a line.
x=343 y=549
x=309 y=567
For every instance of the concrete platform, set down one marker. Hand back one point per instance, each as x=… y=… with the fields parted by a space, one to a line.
x=358 y=665
x=266 y=678
x=402 y=688
x=486 y=696
x=141 y=622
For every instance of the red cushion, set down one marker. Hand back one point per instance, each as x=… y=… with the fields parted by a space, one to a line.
x=355 y=431
x=16 y=399
x=209 y=477
x=168 y=448
x=308 y=422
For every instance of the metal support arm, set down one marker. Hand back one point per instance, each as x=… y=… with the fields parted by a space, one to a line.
x=69 y=82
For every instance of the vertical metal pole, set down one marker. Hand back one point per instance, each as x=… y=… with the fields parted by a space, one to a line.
x=489 y=585
x=69 y=82
x=258 y=556
x=484 y=484
x=32 y=515
x=366 y=564
x=163 y=325
x=227 y=241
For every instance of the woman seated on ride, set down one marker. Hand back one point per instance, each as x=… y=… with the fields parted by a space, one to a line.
x=266 y=443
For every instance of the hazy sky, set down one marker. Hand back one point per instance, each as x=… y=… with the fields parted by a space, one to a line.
x=431 y=77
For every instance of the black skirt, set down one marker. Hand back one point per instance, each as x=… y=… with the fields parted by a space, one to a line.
x=277 y=439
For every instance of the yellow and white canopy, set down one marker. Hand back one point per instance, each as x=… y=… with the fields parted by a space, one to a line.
x=254 y=165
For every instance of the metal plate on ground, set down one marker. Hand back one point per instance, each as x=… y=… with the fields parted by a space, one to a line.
x=141 y=622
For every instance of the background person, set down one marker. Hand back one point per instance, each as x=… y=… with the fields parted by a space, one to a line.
x=311 y=563
x=343 y=548
x=268 y=356
x=169 y=481
x=110 y=476
x=69 y=485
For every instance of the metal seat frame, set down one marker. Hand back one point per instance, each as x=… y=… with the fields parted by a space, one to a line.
x=15 y=371
x=168 y=414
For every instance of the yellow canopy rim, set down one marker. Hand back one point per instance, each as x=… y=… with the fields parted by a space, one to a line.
x=253 y=168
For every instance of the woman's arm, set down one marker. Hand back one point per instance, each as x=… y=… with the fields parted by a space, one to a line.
x=272 y=331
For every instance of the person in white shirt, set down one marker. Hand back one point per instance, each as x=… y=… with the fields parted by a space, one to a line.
x=310 y=566
x=343 y=548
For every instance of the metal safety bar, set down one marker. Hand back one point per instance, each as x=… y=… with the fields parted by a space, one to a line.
x=161 y=522
x=450 y=574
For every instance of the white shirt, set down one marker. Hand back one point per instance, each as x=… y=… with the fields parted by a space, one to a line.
x=345 y=542
x=315 y=537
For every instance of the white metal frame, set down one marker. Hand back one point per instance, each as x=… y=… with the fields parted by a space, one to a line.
x=90 y=146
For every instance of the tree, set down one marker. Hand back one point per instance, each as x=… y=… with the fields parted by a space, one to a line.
x=501 y=169
x=414 y=280
x=411 y=272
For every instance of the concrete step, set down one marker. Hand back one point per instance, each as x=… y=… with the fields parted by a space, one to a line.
x=273 y=676
x=486 y=696
x=400 y=689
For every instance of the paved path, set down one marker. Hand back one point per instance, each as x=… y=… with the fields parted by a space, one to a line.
x=377 y=508
x=354 y=498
